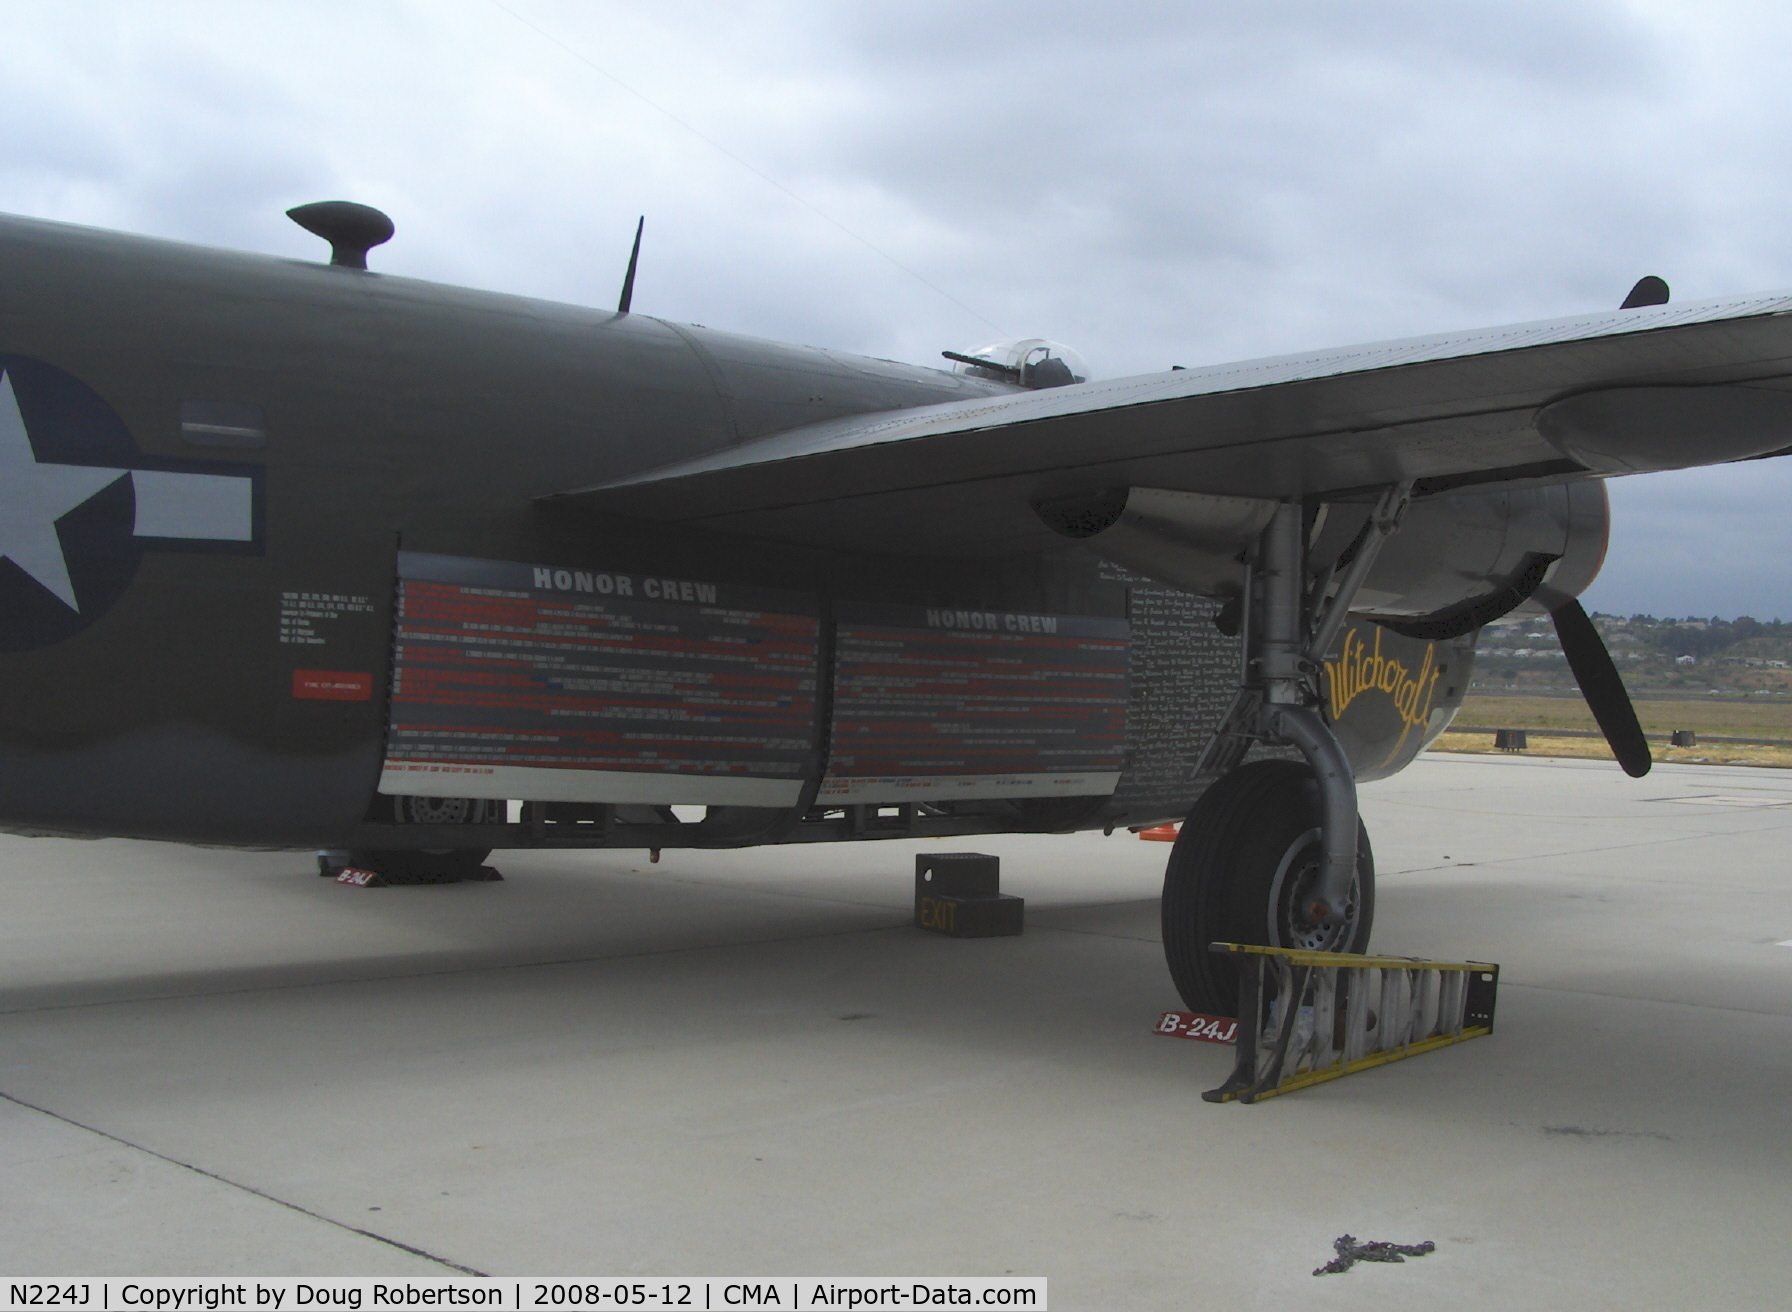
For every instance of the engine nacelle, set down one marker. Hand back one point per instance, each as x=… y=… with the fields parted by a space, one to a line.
x=1458 y=560
x=1463 y=559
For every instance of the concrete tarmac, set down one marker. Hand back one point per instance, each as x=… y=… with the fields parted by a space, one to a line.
x=750 y=1063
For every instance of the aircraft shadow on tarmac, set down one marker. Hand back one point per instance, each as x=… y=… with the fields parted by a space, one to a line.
x=205 y=922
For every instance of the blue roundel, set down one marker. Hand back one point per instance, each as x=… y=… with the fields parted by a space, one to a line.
x=79 y=505
x=68 y=546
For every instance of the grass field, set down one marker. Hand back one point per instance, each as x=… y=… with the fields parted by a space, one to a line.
x=1731 y=717
x=1720 y=717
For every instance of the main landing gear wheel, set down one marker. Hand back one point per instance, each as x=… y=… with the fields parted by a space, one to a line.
x=1241 y=871
x=445 y=865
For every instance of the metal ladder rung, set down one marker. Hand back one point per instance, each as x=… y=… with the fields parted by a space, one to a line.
x=1309 y=1017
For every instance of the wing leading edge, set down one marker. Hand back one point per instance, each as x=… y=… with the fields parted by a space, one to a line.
x=1653 y=388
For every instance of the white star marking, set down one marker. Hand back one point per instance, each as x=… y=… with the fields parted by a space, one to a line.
x=34 y=496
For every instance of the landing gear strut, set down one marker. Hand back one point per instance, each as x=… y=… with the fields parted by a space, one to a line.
x=1273 y=851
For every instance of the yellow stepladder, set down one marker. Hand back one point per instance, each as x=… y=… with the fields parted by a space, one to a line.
x=1308 y=1017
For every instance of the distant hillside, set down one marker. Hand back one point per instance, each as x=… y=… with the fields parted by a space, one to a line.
x=1742 y=657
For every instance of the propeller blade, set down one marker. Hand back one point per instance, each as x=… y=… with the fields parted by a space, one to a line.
x=1592 y=665
x=1603 y=688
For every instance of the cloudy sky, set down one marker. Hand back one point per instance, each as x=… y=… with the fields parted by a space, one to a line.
x=1155 y=184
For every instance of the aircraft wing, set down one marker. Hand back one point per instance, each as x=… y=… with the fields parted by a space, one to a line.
x=1631 y=390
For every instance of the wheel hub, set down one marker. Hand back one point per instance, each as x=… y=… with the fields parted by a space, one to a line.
x=437 y=810
x=1292 y=893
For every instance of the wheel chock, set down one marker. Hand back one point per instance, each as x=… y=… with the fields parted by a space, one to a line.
x=1308 y=1017
x=1160 y=833
x=959 y=894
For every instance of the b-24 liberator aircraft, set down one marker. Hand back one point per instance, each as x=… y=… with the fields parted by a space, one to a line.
x=297 y=554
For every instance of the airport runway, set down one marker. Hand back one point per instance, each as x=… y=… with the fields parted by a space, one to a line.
x=750 y=1064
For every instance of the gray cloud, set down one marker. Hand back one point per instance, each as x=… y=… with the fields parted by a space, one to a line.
x=1153 y=183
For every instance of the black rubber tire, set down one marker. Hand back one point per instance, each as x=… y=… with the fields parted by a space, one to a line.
x=1237 y=875
x=410 y=866
x=430 y=865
